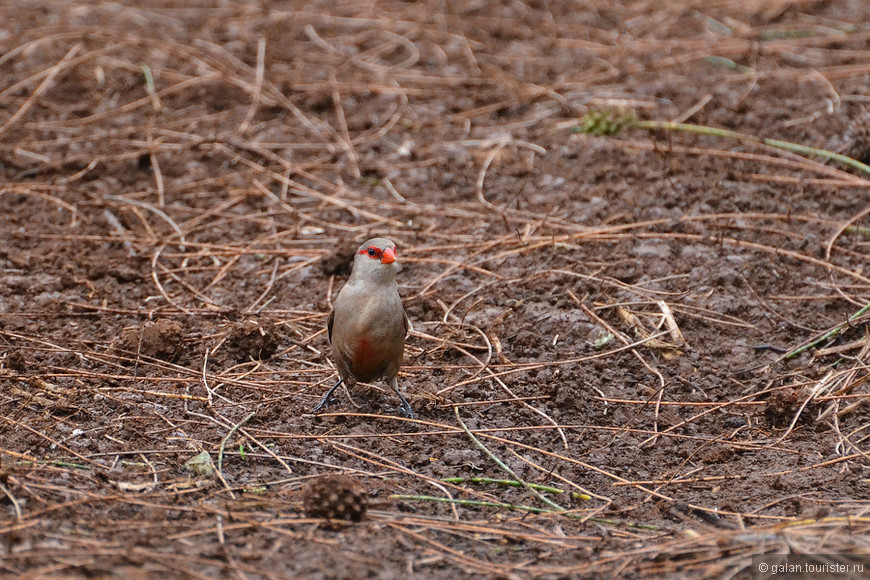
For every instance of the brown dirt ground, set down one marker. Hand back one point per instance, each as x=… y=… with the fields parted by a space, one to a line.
x=181 y=184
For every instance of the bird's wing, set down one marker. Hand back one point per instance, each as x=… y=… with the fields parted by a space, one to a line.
x=329 y=325
x=406 y=322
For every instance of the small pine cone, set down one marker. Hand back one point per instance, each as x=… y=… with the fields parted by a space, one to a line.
x=335 y=497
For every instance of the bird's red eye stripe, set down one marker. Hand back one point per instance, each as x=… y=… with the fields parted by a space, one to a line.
x=373 y=252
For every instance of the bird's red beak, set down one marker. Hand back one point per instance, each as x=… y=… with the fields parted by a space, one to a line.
x=389 y=256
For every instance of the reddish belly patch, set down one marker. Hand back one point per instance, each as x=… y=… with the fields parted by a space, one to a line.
x=367 y=361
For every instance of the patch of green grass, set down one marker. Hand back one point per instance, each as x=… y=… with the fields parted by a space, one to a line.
x=605 y=123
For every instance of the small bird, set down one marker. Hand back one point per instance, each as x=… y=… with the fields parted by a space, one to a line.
x=368 y=325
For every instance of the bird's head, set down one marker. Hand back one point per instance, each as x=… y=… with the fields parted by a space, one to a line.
x=375 y=261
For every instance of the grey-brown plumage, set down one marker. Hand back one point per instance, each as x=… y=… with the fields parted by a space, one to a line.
x=367 y=325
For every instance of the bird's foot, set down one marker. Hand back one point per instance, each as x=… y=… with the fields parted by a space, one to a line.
x=405 y=409
x=327 y=399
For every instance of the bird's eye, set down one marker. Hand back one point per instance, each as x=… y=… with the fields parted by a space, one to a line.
x=372 y=252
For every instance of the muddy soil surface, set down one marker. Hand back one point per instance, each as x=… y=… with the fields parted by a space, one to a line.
x=608 y=319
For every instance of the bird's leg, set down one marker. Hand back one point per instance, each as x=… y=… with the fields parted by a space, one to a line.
x=406 y=410
x=327 y=398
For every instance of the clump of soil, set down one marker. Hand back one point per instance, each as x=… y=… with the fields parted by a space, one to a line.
x=16 y=361
x=156 y=339
x=857 y=137
x=782 y=405
x=335 y=497
x=718 y=454
x=251 y=340
x=338 y=262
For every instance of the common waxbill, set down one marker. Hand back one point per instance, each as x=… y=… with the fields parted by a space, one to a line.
x=368 y=325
